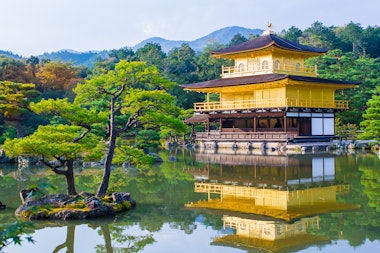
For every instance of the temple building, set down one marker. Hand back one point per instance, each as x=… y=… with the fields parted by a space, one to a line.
x=269 y=94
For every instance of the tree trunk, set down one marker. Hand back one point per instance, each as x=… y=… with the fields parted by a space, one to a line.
x=103 y=187
x=20 y=132
x=70 y=182
x=107 y=167
x=17 y=125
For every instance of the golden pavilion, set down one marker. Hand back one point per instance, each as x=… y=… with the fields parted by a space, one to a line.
x=269 y=94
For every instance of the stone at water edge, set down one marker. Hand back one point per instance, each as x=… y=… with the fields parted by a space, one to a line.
x=81 y=206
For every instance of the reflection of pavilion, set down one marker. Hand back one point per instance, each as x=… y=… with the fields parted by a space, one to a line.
x=282 y=204
x=265 y=193
x=284 y=187
x=275 y=171
x=273 y=236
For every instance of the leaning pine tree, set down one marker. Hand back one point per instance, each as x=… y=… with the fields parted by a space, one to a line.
x=134 y=95
x=58 y=146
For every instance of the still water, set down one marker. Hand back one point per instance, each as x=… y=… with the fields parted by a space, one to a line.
x=196 y=202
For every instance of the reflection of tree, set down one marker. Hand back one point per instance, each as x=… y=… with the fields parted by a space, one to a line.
x=371 y=181
x=128 y=243
x=69 y=243
x=161 y=192
x=361 y=172
x=114 y=239
x=107 y=238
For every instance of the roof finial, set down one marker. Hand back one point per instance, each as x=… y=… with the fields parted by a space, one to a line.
x=269 y=27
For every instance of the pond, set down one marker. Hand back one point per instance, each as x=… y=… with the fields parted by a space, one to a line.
x=197 y=202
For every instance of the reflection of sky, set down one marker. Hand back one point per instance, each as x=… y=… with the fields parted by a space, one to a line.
x=344 y=247
x=168 y=239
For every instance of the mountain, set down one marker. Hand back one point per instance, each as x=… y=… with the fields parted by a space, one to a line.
x=10 y=54
x=76 y=58
x=221 y=36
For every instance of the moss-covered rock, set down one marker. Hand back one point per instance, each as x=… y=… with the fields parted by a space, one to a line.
x=81 y=206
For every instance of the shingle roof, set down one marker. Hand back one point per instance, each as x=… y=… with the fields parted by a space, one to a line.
x=266 y=41
x=197 y=118
x=255 y=79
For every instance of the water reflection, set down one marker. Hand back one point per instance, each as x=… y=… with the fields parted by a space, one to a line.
x=272 y=202
x=115 y=237
x=69 y=242
x=271 y=235
x=316 y=188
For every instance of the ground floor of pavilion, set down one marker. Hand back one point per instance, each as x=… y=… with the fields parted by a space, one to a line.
x=293 y=125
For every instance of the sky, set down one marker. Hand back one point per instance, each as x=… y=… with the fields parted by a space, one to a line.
x=32 y=27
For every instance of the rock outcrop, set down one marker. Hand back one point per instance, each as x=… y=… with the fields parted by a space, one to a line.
x=81 y=206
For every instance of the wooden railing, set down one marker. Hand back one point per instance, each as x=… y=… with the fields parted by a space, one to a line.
x=271 y=67
x=269 y=103
x=232 y=190
x=244 y=136
x=343 y=188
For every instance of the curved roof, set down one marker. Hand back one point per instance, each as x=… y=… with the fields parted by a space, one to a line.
x=255 y=79
x=267 y=41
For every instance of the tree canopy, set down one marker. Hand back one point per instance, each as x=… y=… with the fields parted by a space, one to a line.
x=371 y=123
x=130 y=97
x=58 y=146
x=14 y=102
x=134 y=96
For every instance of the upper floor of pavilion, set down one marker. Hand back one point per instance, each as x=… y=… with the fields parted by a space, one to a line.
x=269 y=54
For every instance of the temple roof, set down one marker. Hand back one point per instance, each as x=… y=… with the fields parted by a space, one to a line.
x=256 y=79
x=267 y=41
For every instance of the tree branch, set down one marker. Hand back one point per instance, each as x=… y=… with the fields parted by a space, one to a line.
x=53 y=167
x=131 y=120
x=118 y=93
x=80 y=137
x=113 y=94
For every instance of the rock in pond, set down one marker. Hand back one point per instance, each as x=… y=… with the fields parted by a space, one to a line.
x=82 y=206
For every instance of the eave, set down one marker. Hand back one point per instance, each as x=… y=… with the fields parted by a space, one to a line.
x=259 y=51
x=268 y=79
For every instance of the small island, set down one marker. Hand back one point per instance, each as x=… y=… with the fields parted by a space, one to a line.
x=81 y=206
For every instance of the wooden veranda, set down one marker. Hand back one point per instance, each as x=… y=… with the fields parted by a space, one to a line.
x=245 y=136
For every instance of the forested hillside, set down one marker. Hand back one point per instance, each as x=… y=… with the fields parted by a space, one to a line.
x=354 y=54
x=10 y=54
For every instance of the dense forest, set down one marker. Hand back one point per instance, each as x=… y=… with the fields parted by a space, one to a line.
x=354 y=54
